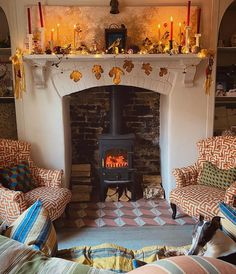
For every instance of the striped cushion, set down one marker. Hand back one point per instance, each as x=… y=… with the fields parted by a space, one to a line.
x=229 y=219
x=187 y=264
x=34 y=228
x=211 y=175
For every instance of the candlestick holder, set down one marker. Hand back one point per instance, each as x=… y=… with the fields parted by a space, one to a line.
x=187 y=35
x=42 y=38
x=30 y=42
x=196 y=48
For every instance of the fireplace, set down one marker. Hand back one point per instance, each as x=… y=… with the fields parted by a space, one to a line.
x=116 y=152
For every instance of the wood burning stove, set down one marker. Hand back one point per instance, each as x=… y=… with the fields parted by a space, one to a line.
x=116 y=152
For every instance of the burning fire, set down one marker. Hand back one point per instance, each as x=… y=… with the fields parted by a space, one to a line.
x=115 y=161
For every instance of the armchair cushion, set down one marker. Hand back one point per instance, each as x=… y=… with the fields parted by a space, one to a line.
x=17 y=177
x=53 y=199
x=34 y=228
x=228 y=219
x=211 y=175
x=198 y=200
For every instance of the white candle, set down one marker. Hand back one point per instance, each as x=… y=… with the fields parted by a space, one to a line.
x=180 y=33
x=74 y=36
x=159 y=32
x=58 y=34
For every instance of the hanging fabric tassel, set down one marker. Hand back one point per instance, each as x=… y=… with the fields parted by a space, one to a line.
x=19 y=73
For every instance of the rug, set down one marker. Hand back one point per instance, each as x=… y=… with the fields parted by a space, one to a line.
x=119 y=214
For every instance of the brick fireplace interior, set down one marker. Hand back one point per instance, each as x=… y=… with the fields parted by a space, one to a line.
x=90 y=112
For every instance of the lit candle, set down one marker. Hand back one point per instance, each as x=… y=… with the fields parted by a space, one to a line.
x=74 y=35
x=171 y=28
x=29 y=21
x=52 y=32
x=198 y=19
x=180 y=33
x=159 y=32
x=188 y=13
x=40 y=14
x=58 y=38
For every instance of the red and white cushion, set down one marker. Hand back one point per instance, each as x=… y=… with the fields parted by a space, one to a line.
x=53 y=199
x=198 y=199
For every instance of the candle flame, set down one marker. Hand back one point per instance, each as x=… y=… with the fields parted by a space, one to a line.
x=74 y=26
x=58 y=25
x=159 y=26
x=180 y=25
x=171 y=19
x=52 y=30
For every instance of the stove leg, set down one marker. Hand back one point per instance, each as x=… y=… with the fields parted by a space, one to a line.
x=103 y=193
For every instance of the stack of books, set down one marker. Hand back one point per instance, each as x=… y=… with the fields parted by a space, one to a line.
x=81 y=183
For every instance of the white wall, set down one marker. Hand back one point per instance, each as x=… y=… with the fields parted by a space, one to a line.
x=194 y=112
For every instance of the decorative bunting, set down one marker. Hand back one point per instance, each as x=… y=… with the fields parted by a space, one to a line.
x=19 y=73
x=209 y=69
x=163 y=71
x=116 y=73
x=97 y=70
x=76 y=75
x=147 y=68
x=128 y=65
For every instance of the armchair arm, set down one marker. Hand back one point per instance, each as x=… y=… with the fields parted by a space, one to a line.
x=12 y=204
x=230 y=195
x=46 y=177
x=186 y=176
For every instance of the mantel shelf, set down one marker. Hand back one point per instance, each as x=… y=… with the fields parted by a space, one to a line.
x=40 y=63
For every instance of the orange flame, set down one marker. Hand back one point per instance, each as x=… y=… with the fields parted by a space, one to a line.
x=115 y=161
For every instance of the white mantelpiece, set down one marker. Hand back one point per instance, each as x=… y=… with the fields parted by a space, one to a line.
x=186 y=63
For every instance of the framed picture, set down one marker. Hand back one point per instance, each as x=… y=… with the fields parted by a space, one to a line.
x=115 y=38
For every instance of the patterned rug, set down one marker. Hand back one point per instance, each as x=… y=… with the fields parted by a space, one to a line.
x=119 y=214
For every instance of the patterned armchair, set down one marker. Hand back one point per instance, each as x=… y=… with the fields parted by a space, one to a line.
x=49 y=184
x=195 y=199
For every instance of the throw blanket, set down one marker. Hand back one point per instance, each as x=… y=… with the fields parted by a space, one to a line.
x=17 y=258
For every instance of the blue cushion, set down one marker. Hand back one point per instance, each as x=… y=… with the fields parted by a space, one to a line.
x=228 y=219
x=229 y=212
x=34 y=228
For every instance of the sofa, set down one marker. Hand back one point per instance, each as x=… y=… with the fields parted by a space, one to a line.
x=16 y=258
x=195 y=198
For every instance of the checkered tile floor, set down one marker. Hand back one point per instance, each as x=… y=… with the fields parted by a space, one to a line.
x=118 y=214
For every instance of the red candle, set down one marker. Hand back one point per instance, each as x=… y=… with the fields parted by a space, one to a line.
x=40 y=14
x=188 y=13
x=29 y=21
x=171 y=28
x=198 y=19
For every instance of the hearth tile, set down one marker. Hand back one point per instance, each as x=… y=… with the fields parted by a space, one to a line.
x=119 y=222
x=119 y=212
x=139 y=221
x=81 y=213
x=156 y=212
x=137 y=212
x=100 y=222
x=79 y=223
x=159 y=221
x=118 y=204
x=100 y=213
